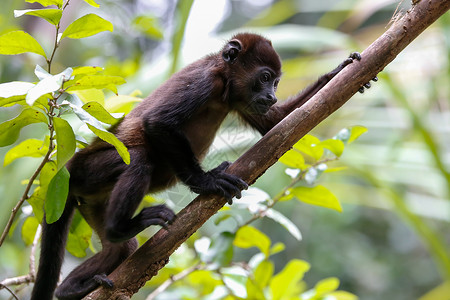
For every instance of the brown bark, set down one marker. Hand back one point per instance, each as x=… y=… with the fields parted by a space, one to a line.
x=131 y=275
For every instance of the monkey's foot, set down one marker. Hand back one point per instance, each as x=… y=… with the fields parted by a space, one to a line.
x=104 y=281
x=367 y=85
x=157 y=215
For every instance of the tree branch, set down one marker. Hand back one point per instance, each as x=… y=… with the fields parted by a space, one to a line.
x=145 y=263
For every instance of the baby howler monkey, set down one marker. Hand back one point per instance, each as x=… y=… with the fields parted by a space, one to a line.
x=167 y=135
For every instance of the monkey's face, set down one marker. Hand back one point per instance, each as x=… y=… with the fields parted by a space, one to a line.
x=263 y=87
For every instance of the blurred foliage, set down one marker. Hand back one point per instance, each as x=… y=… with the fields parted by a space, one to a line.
x=391 y=240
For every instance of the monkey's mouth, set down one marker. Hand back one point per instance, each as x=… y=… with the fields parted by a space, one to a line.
x=263 y=105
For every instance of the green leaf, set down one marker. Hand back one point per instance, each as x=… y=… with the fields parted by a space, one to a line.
x=255 y=286
x=58 y=3
x=79 y=238
x=57 y=192
x=18 y=42
x=65 y=140
x=335 y=146
x=98 y=82
x=277 y=248
x=149 y=26
x=356 y=132
x=30 y=148
x=343 y=295
x=86 y=70
x=285 y=222
x=37 y=200
x=51 y=15
x=85 y=26
x=318 y=195
x=10 y=130
x=92 y=3
x=284 y=285
x=96 y=110
x=96 y=127
x=121 y=103
x=309 y=145
x=293 y=159
x=29 y=230
x=14 y=88
x=91 y=95
x=221 y=249
x=113 y=140
x=326 y=286
x=248 y=236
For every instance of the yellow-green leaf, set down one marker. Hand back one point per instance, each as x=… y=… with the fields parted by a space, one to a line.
x=98 y=82
x=29 y=230
x=284 y=285
x=65 y=141
x=18 y=42
x=30 y=148
x=96 y=110
x=58 y=3
x=85 y=26
x=51 y=15
x=86 y=70
x=326 y=286
x=10 y=130
x=335 y=146
x=294 y=159
x=356 y=132
x=318 y=195
x=92 y=3
x=113 y=140
x=248 y=236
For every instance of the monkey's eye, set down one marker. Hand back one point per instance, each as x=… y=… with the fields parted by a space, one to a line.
x=265 y=77
x=275 y=84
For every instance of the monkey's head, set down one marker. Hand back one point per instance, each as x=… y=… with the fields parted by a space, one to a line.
x=254 y=70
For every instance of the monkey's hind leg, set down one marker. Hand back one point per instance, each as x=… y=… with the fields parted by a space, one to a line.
x=92 y=273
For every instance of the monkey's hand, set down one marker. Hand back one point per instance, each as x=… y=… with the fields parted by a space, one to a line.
x=217 y=182
x=356 y=56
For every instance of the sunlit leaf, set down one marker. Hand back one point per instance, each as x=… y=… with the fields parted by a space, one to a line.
x=284 y=285
x=10 y=130
x=248 y=236
x=86 y=70
x=343 y=295
x=30 y=148
x=85 y=26
x=92 y=3
x=113 y=140
x=51 y=15
x=96 y=110
x=98 y=82
x=335 y=146
x=121 y=103
x=294 y=159
x=89 y=95
x=65 y=140
x=326 y=286
x=29 y=228
x=256 y=285
x=356 y=132
x=17 y=42
x=149 y=25
x=41 y=73
x=318 y=195
x=14 y=88
x=47 y=85
x=58 y=3
x=57 y=192
x=277 y=248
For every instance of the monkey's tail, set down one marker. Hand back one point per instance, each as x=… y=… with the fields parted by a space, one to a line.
x=53 y=243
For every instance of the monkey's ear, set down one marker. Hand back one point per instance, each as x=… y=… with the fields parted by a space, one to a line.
x=231 y=51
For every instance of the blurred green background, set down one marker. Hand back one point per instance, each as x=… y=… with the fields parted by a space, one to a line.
x=392 y=240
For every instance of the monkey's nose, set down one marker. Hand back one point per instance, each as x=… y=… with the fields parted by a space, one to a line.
x=271 y=99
